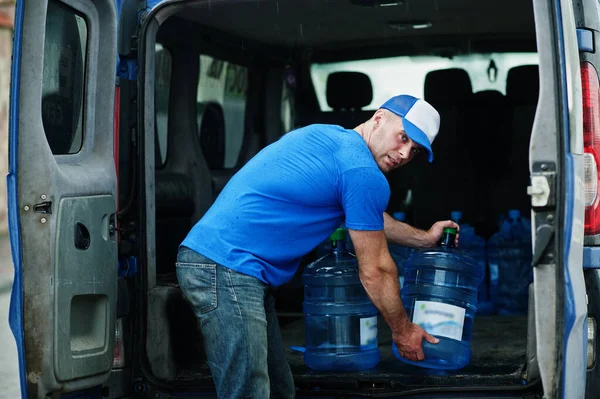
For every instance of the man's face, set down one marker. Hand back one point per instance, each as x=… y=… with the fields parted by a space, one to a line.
x=390 y=145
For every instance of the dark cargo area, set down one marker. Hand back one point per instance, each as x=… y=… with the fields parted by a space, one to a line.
x=281 y=54
x=498 y=356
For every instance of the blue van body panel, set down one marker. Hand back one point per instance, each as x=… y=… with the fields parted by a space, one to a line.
x=15 y=316
x=150 y=4
x=569 y=371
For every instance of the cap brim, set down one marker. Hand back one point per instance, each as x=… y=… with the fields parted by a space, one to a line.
x=417 y=136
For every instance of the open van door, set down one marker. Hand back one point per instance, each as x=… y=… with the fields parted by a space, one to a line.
x=62 y=194
x=557 y=170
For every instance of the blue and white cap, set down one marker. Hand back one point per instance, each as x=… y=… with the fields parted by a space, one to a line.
x=420 y=120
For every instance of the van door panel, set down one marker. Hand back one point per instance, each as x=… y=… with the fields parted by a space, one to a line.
x=62 y=188
x=556 y=157
x=84 y=286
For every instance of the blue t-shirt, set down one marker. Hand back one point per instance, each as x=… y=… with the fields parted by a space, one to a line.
x=289 y=198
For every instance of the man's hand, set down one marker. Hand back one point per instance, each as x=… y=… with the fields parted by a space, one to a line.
x=434 y=234
x=409 y=342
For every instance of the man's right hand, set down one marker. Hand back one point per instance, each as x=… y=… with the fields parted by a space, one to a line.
x=409 y=341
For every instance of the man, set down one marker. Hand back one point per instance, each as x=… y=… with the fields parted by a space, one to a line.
x=281 y=205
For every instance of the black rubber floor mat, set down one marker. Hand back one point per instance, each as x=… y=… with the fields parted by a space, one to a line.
x=498 y=356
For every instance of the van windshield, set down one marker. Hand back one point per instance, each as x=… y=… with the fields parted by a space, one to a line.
x=406 y=75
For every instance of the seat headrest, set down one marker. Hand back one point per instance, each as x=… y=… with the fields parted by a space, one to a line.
x=447 y=87
x=349 y=90
x=523 y=84
x=487 y=97
x=212 y=134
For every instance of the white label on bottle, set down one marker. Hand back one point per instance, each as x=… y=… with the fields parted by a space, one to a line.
x=368 y=331
x=440 y=319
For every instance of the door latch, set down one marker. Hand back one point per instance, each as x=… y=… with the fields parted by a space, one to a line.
x=541 y=190
x=43 y=208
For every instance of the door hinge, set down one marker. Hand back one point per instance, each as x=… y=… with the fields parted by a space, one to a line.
x=543 y=248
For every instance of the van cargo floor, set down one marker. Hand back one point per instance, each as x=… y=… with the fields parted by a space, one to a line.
x=498 y=359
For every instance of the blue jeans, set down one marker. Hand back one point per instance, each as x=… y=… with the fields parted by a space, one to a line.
x=241 y=334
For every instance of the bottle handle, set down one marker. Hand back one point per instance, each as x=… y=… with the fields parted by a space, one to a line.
x=428 y=349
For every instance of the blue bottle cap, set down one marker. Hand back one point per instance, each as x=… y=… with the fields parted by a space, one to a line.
x=514 y=213
x=400 y=216
x=456 y=216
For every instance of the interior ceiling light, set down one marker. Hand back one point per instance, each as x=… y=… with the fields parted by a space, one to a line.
x=409 y=25
x=384 y=3
x=378 y=3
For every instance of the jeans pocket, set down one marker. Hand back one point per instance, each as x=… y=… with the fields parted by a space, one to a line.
x=198 y=282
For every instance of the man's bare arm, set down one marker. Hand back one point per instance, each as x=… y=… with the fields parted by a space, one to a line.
x=408 y=236
x=379 y=276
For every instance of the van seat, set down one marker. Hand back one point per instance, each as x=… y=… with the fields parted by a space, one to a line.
x=447 y=183
x=211 y=125
x=174 y=212
x=488 y=144
x=347 y=94
x=522 y=91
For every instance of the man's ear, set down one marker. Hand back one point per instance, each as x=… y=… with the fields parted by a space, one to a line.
x=379 y=116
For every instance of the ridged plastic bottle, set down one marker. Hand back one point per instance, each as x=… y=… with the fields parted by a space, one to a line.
x=474 y=246
x=341 y=321
x=440 y=295
x=399 y=253
x=510 y=256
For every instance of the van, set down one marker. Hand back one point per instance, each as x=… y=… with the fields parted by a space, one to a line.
x=128 y=118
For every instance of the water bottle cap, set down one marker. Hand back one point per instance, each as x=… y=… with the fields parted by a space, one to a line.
x=467 y=230
x=514 y=213
x=400 y=216
x=456 y=216
x=338 y=235
x=451 y=230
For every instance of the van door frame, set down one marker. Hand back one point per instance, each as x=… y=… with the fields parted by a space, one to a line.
x=556 y=167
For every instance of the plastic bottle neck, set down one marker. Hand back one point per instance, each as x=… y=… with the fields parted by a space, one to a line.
x=339 y=246
x=447 y=240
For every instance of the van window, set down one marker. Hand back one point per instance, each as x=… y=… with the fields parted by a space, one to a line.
x=221 y=106
x=65 y=52
x=161 y=97
x=406 y=75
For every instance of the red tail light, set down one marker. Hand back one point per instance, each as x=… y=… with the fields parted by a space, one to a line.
x=119 y=352
x=591 y=143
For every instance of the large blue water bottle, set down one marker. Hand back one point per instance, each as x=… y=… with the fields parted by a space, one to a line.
x=474 y=246
x=399 y=253
x=440 y=295
x=341 y=321
x=510 y=255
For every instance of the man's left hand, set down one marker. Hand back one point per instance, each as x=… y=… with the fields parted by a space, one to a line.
x=434 y=234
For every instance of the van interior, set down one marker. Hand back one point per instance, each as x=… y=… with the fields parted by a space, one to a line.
x=226 y=78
